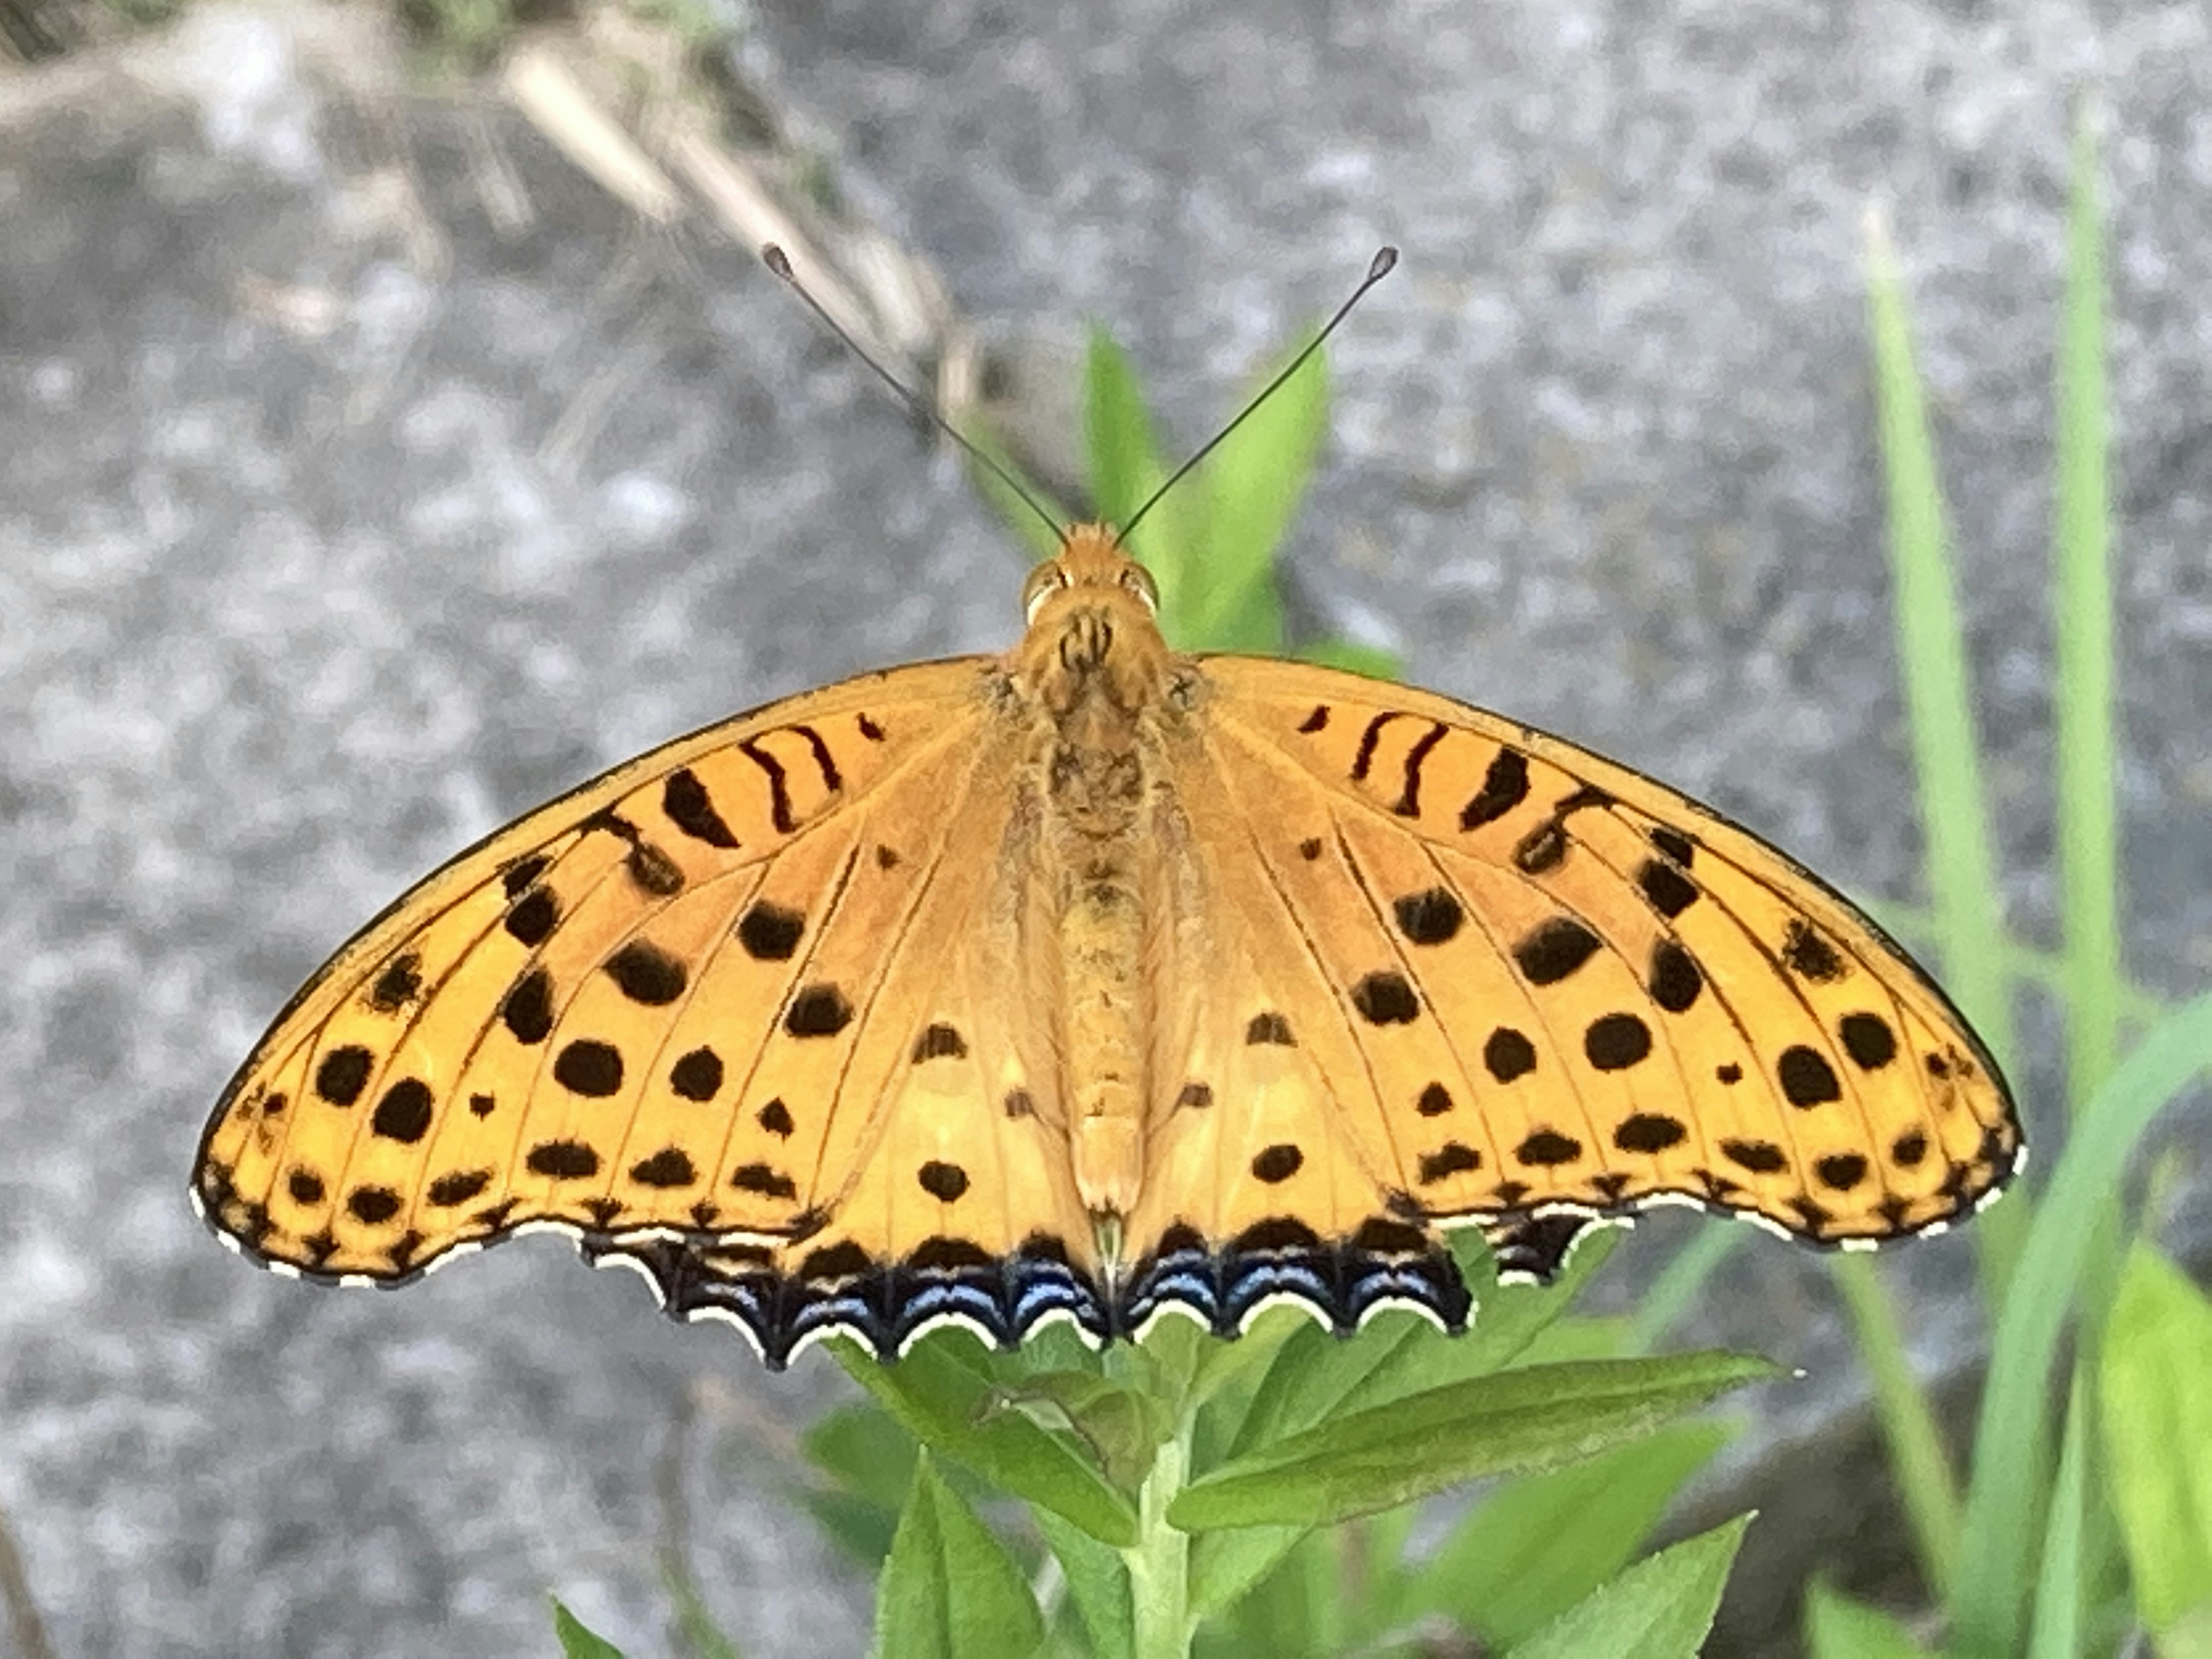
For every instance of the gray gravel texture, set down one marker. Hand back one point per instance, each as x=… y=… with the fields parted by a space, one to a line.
x=337 y=525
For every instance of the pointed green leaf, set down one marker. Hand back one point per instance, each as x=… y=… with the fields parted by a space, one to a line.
x=949 y=1588
x=1660 y=1608
x=1426 y=1442
x=1097 y=1584
x=938 y=1392
x=1398 y=1352
x=2158 y=1434
x=1253 y=487
x=576 y=1642
x=1837 y=1627
x=1537 y=1546
x=1117 y=432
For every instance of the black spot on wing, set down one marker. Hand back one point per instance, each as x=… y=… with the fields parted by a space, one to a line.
x=403 y=1114
x=1806 y=1078
x=589 y=1068
x=1552 y=949
x=342 y=1073
x=399 y=984
x=1386 y=999
x=691 y=809
x=1809 y=956
x=768 y=932
x=647 y=973
x=819 y=1011
x=696 y=1076
x=1505 y=786
x=532 y=916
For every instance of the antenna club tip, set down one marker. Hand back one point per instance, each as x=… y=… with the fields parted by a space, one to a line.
x=776 y=260
x=1385 y=262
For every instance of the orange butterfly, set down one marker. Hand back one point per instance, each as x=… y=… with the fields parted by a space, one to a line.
x=1092 y=981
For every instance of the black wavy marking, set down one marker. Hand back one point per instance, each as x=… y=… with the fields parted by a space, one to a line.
x=884 y=1306
x=1384 y=1262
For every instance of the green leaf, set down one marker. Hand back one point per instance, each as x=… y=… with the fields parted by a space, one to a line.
x=1837 y=1627
x=949 y=1588
x=938 y=1392
x=1126 y=468
x=1535 y=1547
x=1122 y=1427
x=2005 y=1496
x=870 y=1460
x=576 y=1642
x=1931 y=648
x=1117 y=431
x=1225 y=1565
x=2157 y=1422
x=1316 y=1373
x=1660 y=1608
x=1097 y=1584
x=1426 y=1442
x=2188 y=1637
x=1257 y=478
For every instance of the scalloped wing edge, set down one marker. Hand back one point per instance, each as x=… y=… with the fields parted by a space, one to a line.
x=1387 y=1265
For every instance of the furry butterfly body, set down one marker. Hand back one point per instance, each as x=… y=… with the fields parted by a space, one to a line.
x=1090 y=981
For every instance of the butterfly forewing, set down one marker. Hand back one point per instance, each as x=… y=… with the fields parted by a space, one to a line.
x=1571 y=987
x=581 y=1019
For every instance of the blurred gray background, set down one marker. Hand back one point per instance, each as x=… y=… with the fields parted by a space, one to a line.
x=348 y=508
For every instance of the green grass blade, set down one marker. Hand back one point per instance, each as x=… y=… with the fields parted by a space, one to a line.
x=2004 y=1498
x=2089 y=836
x=1681 y=1283
x=1925 y=1479
x=2057 y=1631
x=1939 y=702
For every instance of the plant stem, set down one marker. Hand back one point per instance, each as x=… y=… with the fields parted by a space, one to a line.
x=1158 y=1563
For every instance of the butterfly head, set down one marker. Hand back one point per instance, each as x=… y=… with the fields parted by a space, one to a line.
x=1092 y=630
x=1090 y=564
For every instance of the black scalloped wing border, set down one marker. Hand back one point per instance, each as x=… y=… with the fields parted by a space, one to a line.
x=886 y=1306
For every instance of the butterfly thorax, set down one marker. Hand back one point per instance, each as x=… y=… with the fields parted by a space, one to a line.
x=1098 y=680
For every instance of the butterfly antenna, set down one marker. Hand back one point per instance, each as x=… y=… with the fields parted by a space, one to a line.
x=777 y=261
x=1384 y=262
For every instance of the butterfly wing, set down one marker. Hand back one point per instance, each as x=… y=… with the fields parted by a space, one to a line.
x=725 y=1014
x=1471 y=974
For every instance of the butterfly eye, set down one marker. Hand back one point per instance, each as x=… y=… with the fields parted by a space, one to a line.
x=1138 y=580
x=1045 y=580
